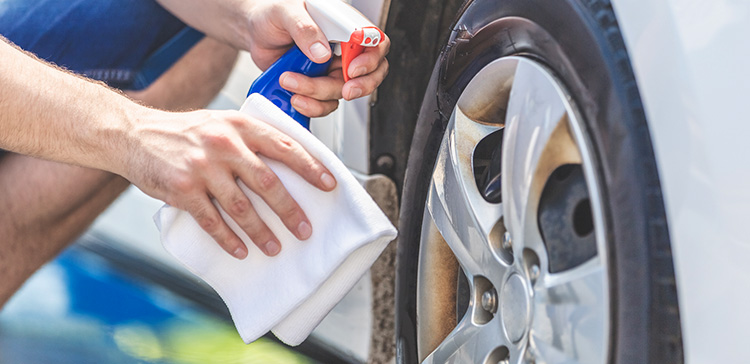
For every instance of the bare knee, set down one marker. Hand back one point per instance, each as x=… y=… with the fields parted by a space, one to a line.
x=45 y=206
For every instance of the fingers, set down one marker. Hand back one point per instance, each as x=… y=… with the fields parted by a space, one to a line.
x=209 y=219
x=320 y=88
x=314 y=96
x=306 y=34
x=195 y=156
x=365 y=85
x=367 y=71
x=370 y=59
x=314 y=108
x=238 y=206
x=261 y=179
x=273 y=144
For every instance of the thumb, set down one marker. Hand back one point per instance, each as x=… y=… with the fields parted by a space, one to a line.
x=307 y=35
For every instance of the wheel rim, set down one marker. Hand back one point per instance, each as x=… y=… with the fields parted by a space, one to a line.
x=531 y=299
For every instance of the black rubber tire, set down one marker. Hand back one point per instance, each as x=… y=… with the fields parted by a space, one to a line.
x=580 y=41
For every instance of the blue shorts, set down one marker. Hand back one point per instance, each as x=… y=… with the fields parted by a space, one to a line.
x=124 y=43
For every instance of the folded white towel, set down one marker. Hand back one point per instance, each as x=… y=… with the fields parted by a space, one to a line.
x=293 y=291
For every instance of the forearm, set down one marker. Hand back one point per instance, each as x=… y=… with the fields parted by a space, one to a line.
x=52 y=114
x=266 y=29
x=225 y=20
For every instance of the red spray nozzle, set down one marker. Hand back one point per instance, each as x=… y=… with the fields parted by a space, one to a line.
x=360 y=39
x=343 y=24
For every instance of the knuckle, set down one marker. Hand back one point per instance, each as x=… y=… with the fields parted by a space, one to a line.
x=218 y=141
x=240 y=206
x=284 y=144
x=318 y=109
x=327 y=108
x=289 y=212
x=208 y=222
x=198 y=161
x=371 y=84
x=334 y=106
x=238 y=121
x=267 y=180
x=182 y=184
x=334 y=92
x=304 y=28
x=386 y=44
x=277 y=9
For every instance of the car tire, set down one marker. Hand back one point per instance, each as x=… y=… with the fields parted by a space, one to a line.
x=580 y=43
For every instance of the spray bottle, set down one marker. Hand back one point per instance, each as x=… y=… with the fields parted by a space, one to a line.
x=344 y=26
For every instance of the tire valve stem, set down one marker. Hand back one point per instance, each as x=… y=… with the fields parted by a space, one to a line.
x=489 y=300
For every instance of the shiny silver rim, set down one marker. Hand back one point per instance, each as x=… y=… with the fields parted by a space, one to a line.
x=518 y=312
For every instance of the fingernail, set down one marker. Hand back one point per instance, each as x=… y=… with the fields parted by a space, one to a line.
x=240 y=253
x=319 y=51
x=359 y=71
x=354 y=93
x=328 y=181
x=272 y=248
x=304 y=230
x=289 y=82
x=299 y=103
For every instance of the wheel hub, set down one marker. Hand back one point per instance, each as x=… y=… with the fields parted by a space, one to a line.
x=514 y=307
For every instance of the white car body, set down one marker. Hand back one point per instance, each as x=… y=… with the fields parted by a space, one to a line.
x=690 y=62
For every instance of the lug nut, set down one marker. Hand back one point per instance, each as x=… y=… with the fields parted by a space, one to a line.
x=489 y=300
x=534 y=272
x=507 y=243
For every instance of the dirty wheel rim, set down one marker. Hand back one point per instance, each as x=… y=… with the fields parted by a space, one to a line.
x=534 y=295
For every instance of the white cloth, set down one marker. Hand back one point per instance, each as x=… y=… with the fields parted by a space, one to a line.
x=292 y=292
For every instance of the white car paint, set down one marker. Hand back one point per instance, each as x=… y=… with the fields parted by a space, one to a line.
x=691 y=63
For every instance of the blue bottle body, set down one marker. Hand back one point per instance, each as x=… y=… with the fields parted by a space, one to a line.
x=267 y=84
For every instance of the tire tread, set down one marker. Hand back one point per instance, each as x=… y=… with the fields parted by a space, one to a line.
x=666 y=339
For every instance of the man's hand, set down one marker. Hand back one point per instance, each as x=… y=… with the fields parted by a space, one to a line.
x=267 y=29
x=274 y=26
x=187 y=159
x=184 y=159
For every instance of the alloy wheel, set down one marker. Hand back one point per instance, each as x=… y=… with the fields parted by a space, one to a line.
x=513 y=258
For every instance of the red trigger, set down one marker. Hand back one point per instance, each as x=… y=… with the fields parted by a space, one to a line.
x=349 y=51
x=361 y=38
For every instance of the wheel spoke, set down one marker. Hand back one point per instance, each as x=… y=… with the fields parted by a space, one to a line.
x=460 y=213
x=468 y=343
x=537 y=140
x=569 y=315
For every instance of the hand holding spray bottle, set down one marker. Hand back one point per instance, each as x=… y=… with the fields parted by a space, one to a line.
x=343 y=26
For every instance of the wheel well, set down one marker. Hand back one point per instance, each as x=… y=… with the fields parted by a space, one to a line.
x=417 y=29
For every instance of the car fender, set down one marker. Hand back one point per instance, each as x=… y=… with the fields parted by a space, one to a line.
x=690 y=62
